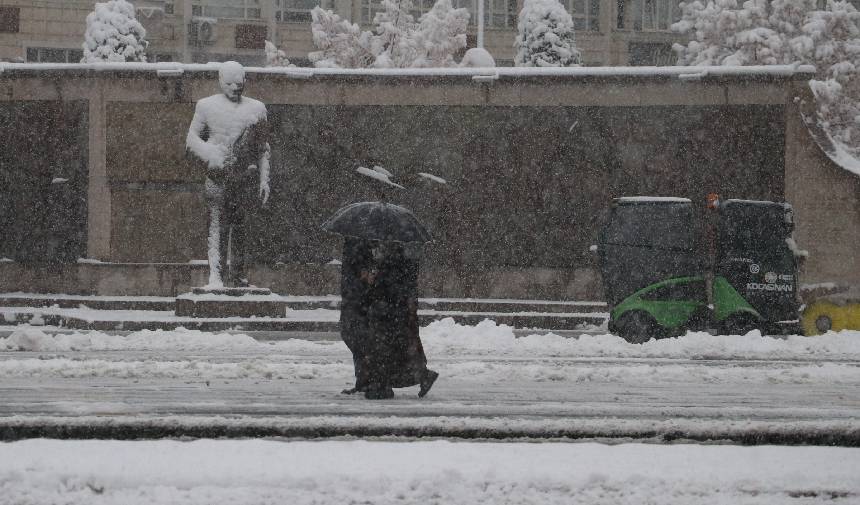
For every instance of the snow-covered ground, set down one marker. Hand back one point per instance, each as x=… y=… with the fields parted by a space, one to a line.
x=436 y=472
x=492 y=384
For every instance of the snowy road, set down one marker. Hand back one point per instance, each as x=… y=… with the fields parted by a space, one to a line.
x=748 y=389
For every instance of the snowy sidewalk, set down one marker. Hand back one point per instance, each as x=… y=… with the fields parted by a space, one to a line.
x=438 y=472
x=745 y=389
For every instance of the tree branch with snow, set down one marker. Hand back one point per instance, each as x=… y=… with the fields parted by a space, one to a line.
x=545 y=36
x=114 y=34
x=779 y=32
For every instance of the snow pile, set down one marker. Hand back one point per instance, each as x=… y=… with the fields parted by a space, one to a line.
x=448 y=338
x=489 y=338
x=780 y=32
x=38 y=340
x=397 y=41
x=114 y=34
x=478 y=57
x=482 y=354
x=545 y=36
x=335 y=472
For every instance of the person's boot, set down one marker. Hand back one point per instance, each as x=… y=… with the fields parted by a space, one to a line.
x=427 y=382
x=378 y=392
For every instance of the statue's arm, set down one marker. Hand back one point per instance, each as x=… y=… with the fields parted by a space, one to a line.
x=265 y=166
x=211 y=154
x=264 y=162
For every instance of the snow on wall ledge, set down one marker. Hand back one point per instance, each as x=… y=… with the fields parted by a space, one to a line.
x=480 y=74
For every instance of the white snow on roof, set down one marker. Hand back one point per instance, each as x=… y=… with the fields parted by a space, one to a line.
x=673 y=71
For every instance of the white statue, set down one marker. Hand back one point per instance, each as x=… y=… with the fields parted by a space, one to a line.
x=229 y=135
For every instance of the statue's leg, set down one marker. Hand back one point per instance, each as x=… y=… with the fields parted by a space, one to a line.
x=239 y=268
x=216 y=250
x=239 y=218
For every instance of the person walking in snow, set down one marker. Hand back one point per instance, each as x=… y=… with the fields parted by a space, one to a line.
x=229 y=134
x=379 y=318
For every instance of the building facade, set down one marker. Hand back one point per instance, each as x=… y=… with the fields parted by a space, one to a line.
x=609 y=32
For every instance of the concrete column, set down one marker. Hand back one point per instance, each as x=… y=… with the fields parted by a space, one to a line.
x=606 y=18
x=825 y=197
x=98 y=188
x=184 y=10
x=268 y=14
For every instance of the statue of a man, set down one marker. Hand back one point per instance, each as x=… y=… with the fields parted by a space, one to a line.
x=229 y=135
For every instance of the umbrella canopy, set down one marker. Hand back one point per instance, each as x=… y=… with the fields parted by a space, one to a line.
x=378 y=221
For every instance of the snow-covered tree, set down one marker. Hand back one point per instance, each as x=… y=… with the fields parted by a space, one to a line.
x=275 y=57
x=440 y=34
x=545 y=36
x=397 y=40
x=762 y=32
x=757 y=32
x=831 y=40
x=395 y=32
x=756 y=43
x=341 y=44
x=114 y=34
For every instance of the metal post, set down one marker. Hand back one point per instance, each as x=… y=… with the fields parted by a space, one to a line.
x=186 y=30
x=480 y=23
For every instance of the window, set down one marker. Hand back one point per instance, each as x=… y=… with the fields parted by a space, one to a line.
x=10 y=19
x=250 y=36
x=159 y=57
x=654 y=54
x=655 y=15
x=585 y=14
x=693 y=291
x=230 y=9
x=369 y=8
x=497 y=13
x=53 y=55
x=295 y=11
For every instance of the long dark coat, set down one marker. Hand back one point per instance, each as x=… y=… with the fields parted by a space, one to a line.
x=379 y=319
x=354 y=326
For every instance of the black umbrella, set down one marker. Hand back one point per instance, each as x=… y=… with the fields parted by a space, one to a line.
x=378 y=221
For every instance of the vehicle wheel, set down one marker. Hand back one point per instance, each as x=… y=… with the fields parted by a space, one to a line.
x=638 y=327
x=740 y=324
x=823 y=323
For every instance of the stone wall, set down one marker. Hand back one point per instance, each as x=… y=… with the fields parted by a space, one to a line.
x=43 y=180
x=531 y=164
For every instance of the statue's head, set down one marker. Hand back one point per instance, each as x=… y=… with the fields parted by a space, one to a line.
x=231 y=77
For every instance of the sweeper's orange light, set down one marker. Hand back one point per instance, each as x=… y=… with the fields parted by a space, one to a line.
x=713 y=200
